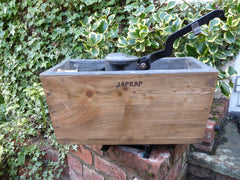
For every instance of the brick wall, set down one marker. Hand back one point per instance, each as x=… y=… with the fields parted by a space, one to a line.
x=122 y=162
x=216 y=117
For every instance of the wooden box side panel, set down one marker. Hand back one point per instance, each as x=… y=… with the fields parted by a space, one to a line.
x=130 y=109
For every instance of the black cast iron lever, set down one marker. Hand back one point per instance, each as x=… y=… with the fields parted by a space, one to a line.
x=145 y=61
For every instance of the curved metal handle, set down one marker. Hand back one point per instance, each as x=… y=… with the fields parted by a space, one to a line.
x=145 y=61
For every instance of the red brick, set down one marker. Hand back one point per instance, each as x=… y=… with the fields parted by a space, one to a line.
x=174 y=171
x=209 y=133
x=208 y=139
x=225 y=103
x=219 y=110
x=203 y=147
x=74 y=175
x=65 y=171
x=109 y=168
x=90 y=174
x=51 y=155
x=96 y=148
x=179 y=149
x=155 y=167
x=84 y=154
x=74 y=163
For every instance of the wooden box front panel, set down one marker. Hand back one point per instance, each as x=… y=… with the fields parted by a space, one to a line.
x=130 y=109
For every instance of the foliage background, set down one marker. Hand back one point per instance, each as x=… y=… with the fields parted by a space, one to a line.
x=37 y=34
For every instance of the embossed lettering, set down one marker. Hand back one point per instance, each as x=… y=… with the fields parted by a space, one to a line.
x=129 y=84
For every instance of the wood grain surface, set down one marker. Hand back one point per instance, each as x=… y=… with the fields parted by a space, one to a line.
x=146 y=109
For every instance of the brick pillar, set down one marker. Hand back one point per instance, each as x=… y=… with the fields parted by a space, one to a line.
x=122 y=162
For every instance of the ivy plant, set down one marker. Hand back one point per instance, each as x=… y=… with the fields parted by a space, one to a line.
x=36 y=35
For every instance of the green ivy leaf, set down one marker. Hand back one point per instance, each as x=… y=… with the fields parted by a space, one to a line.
x=231 y=84
x=179 y=54
x=149 y=9
x=138 y=48
x=231 y=71
x=176 y=25
x=86 y=21
x=107 y=11
x=220 y=55
x=229 y=37
x=201 y=48
x=147 y=42
x=167 y=19
x=114 y=31
x=95 y=38
x=176 y=43
x=40 y=22
x=129 y=8
x=171 y=5
x=103 y=26
x=238 y=7
x=190 y=17
x=225 y=88
x=183 y=7
x=204 y=59
x=156 y=17
x=94 y=51
x=131 y=42
x=143 y=33
x=191 y=51
x=90 y=2
x=213 y=48
x=168 y=30
x=138 y=11
x=225 y=27
x=87 y=46
x=227 y=53
x=204 y=32
x=222 y=75
x=162 y=15
x=235 y=22
x=21 y=158
x=134 y=34
x=142 y=47
x=111 y=18
x=213 y=23
x=219 y=41
x=122 y=42
x=154 y=44
x=229 y=20
x=211 y=38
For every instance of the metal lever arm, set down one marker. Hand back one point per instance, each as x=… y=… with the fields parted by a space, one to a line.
x=145 y=61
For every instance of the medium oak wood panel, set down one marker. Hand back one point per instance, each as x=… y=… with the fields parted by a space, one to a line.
x=146 y=109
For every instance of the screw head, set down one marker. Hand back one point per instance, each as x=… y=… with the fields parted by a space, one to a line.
x=143 y=66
